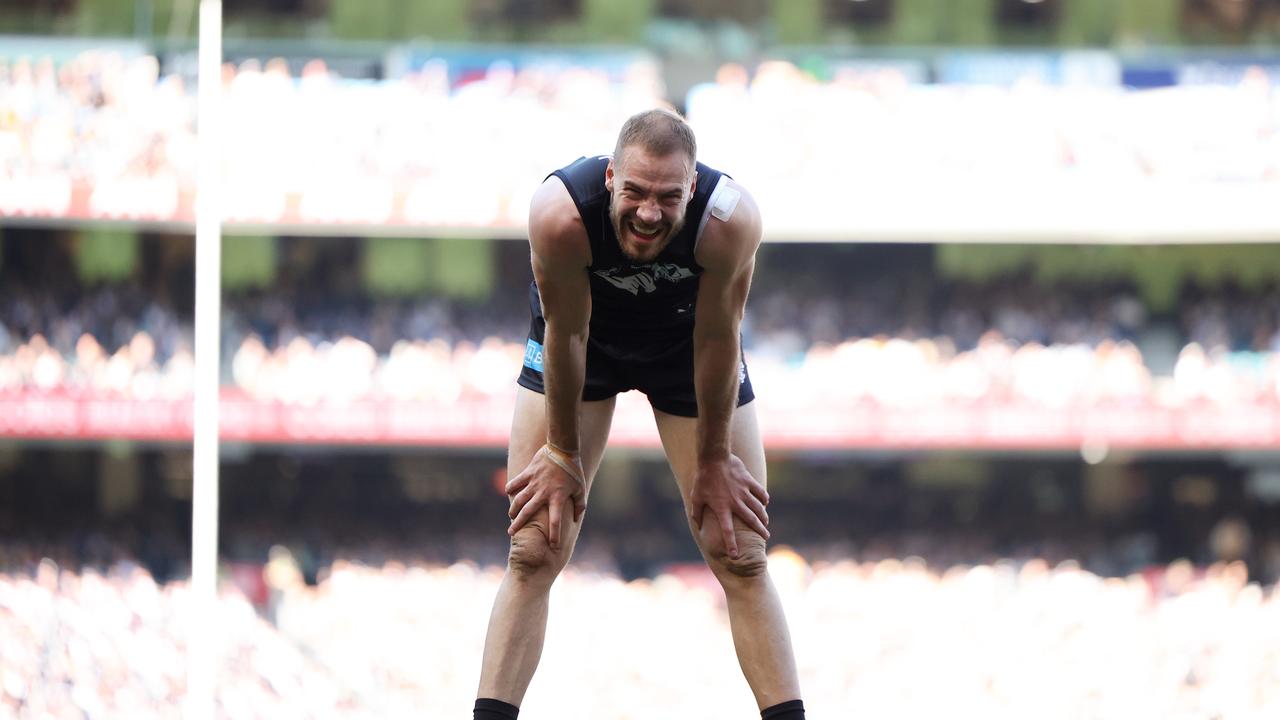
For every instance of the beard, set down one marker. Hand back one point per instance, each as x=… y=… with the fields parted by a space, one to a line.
x=642 y=252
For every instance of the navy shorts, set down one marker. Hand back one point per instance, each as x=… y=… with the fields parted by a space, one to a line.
x=661 y=368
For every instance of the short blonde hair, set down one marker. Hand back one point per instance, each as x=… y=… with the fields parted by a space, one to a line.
x=658 y=132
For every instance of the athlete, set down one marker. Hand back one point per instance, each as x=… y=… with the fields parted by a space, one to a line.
x=641 y=266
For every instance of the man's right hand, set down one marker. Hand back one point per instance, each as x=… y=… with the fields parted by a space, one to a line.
x=552 y=477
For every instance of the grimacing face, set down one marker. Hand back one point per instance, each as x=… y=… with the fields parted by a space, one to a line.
x=649 y=196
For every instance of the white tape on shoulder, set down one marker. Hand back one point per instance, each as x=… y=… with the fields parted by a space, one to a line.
x=724 y=201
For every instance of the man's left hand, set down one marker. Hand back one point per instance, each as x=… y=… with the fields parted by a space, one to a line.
x=727 y=488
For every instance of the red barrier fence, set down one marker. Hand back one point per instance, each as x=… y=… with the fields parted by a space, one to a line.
x=485 y=423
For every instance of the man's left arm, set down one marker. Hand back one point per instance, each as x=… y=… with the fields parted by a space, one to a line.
x=722 y=483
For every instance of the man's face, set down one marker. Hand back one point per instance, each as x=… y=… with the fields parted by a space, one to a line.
x=650 y=193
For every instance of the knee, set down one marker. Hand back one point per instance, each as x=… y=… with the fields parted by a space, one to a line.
x=751 y=561
x=531 y=556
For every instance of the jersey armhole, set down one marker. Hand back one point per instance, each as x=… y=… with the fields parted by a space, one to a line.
x=716 y=192
x=568 y=186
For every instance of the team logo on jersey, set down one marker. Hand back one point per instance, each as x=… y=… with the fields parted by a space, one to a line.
x=644 y=277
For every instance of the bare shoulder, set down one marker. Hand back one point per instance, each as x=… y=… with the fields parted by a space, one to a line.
x=734 y=229
x=556 y=232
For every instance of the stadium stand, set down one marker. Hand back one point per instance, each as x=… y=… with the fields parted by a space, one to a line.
x=1047 y=493
x=906 y=337
x=102 y=136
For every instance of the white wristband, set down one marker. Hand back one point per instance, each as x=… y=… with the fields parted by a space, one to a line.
x=569 y=462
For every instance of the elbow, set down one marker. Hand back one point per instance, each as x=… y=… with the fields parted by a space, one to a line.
x=573 y=333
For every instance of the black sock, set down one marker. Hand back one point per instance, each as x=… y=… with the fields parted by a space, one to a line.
x=489 y=709
x=789 y=710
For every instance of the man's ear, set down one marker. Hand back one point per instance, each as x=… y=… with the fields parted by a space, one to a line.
x=608 y=176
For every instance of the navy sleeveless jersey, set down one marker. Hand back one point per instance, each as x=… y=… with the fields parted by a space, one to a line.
x=637 y=310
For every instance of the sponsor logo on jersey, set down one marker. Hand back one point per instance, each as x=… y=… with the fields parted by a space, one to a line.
x=533 y=355
x=636 y=278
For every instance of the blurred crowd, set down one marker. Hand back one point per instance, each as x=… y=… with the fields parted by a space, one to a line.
x=127 y=128
x=885 y=341
x=411 y=134
x=123 y=122
x=114 y=122
x=1025 y=639
x=359 y=584
x=868 y=126
x=114 y=643
x=117 y=340
x=904 y=340
x=428 y=349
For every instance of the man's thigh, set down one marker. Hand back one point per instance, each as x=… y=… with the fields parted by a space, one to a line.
x=680 y=442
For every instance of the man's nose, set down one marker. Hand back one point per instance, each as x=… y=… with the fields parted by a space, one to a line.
x=649 y=213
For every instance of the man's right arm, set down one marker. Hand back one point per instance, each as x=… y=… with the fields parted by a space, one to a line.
x=560 y=255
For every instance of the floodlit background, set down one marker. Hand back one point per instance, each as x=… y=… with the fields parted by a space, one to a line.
x=1015 y=332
